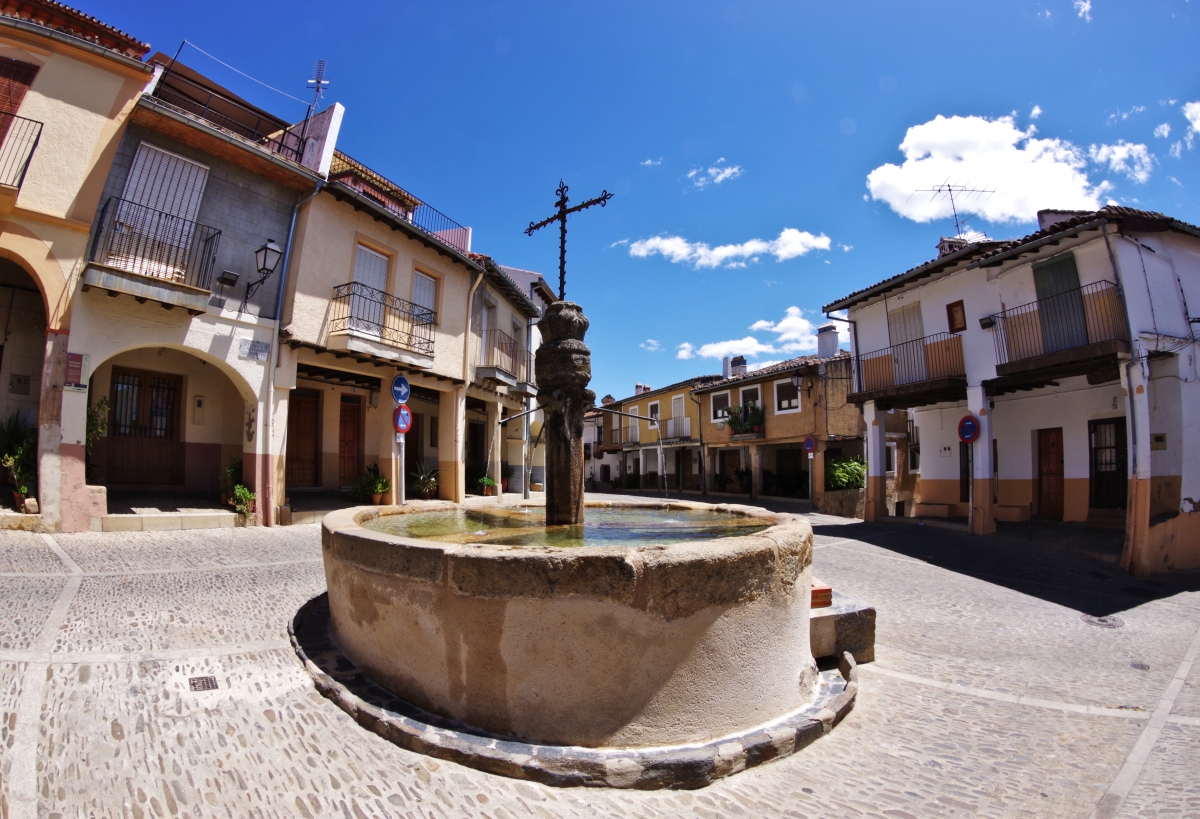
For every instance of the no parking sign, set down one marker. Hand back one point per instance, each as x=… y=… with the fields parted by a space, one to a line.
x=402 y=419
x=968 y=429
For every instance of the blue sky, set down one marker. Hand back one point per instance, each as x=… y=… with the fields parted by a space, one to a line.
x=754 y=148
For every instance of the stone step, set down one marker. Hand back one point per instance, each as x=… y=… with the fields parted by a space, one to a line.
x=167 y=521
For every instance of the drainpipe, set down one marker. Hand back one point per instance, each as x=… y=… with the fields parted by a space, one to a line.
x=528 y=460
x=269 y=487
x=703 y=454
x=460 y=422
x=1130 y=402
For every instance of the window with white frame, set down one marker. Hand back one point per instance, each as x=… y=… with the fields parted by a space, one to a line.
x=653 y=413
x=787 y=397
x=720 y=406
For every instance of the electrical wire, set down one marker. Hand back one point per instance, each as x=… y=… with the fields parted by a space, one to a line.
x=243 y=73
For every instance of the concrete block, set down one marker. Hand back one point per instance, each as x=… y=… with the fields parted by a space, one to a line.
x=215 y=520
x=161 y=523
x=121 y=523
x=846 y=625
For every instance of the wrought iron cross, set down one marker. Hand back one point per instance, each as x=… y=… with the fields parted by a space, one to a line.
x=561 y=218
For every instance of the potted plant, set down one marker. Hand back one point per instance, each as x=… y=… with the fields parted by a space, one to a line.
x=753 y=418
x=506 y=472
x=743 y=476
x=20 y=470
x=243 y=500
x=362 y=488
x=722 y=480
x=487 y=485
x=425 y=482
x=233 y=478
x=382 y=487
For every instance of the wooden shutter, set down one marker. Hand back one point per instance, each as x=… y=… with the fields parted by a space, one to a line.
x=15 y=79
x=905 y=324
x=165 y=182
x=370 y=268
x=1060 y=304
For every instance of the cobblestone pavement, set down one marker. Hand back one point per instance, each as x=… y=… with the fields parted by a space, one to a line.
x=990 y=695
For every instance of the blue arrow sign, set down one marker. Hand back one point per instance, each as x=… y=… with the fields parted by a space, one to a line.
x=400 y=389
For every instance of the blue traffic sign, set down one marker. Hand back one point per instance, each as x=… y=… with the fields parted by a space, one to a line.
x=402 y=418
x=810 y=444
x=968 y=429
x=400 y=389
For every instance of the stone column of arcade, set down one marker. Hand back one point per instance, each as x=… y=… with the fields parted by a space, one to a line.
x=564 y=367
x=876 y=420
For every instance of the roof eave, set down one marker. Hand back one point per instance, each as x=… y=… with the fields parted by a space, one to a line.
x=1026 y=247
x=921 y=272
x=77 y=42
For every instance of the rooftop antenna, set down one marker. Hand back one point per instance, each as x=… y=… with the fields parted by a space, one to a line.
x=949 y=190
x=317 y=84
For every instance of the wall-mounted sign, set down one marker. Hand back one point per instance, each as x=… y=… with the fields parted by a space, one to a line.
x=968 y=429
x=810 y=444
x=402 y=419
x=400 y=389
x=78 y=371
x=254 y=350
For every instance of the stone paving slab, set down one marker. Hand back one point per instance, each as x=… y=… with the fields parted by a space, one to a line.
x=24 y=605
x=119 y=732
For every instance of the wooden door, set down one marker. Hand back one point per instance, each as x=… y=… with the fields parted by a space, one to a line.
x=349 y=435
x=303 y=444
x=144 y=445
x=1050 y=473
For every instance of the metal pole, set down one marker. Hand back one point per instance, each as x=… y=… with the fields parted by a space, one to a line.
x=810 y=481
x=400 y=467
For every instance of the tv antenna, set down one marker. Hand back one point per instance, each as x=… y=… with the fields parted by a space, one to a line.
x=317 y=84
x=949 y=191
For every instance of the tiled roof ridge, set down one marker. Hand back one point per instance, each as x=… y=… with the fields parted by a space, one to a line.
x=27 y=11
x=782 y=366
x=694 y=379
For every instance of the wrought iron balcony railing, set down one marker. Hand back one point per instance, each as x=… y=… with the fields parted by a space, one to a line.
x=677 y=427
x=18 y=140
x=500 y=351
x=364 y=311
x=231 y=115
x=1073 y=318
x=152 y=243
x=924 y=359
x=525 y=373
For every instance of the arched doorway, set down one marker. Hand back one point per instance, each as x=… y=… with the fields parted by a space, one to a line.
x=176 y=423
x=22 y=350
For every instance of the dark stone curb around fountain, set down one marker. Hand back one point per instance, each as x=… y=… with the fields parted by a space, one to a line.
x=678 y=766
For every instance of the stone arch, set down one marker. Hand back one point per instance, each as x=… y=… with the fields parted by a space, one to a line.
x=34 y=254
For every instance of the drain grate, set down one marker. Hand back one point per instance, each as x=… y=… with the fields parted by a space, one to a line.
x=1102 y=622
x=1140 y=666
x=203 y=683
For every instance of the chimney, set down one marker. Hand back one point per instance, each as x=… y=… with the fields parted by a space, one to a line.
x=725 y=370
x=738 y=365
x=950 y=244
x=1046 y=218
x=827 y=341
x=606 y=400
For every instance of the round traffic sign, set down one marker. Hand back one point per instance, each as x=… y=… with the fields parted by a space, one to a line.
x=810 y=444
x=402 y=418
x=400 y=389
x=968 y=429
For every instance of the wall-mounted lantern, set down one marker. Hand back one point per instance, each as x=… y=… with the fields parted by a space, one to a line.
x=266 y=258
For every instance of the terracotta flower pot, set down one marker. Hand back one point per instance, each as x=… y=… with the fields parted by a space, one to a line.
x=19 y=501
x=377 y=498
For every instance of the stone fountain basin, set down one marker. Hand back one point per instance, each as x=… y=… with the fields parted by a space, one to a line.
x=591 y=646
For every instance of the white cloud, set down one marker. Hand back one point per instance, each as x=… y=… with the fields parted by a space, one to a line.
x=650 y=345
x=619 y=242
x=651 y=162
x=686 y=351
x=788 y=245
x=1121 y=116
x=1025 y=173
x=794 y=333
x=846 y=248
x=1191 y=110
x=1177 y=149
x=1176 y=181
x=1036 y=112
x=739 y=346
x=1133 y=160
x=714 y=174
x=1163 y=131
x=1084 y=9
x=1044 y=13
x=758 y=366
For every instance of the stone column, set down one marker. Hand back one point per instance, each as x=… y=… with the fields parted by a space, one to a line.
x=493 y=445
x=876 y=420
x=1137 y=516
x=451 y=446
x=564 y=368
x=756 y=476
x=983 y=519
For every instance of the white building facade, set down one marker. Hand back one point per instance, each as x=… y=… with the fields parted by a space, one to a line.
x=1072 y=349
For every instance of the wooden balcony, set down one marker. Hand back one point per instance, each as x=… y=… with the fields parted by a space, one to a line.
x=913 y=374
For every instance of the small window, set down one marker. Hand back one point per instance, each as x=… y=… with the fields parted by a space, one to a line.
x=720 y=406
x=787 y=397
x=425 y=291
x=914 y=459
x=956 y=316
x=750 y=397
x=653 y=413
x=890 y=458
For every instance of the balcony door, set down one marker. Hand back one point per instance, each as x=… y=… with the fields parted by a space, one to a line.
x=366 y=303
x=156 y=217
x=906 y=328
x=1109 y=463
x=1060 y=304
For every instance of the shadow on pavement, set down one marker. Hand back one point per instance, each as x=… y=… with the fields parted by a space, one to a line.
x=1071 y=565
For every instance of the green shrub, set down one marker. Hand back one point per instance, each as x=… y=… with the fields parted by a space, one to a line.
x=363 y=486
x=845 y=473
x=243 y=500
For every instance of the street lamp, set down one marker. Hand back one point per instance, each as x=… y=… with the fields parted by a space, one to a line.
x=797 y=381
x=266 y=258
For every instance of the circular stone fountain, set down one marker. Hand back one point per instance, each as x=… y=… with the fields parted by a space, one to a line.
x=651 y=650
